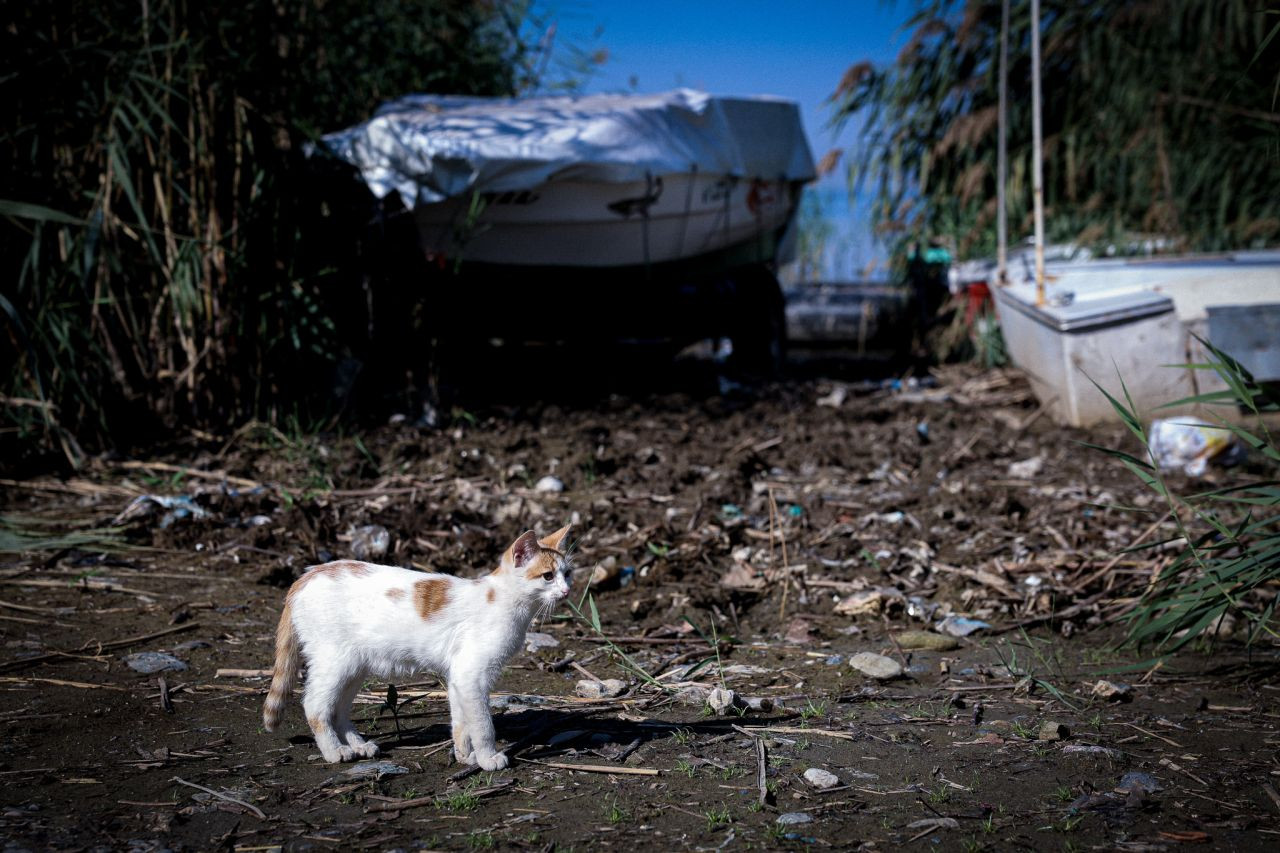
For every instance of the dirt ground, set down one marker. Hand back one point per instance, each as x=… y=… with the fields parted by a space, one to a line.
x=789 y=527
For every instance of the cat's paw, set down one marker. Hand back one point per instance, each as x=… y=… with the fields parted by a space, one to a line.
x=468 y=759
x=368 y=749
x=496 y=761
x=339 y=754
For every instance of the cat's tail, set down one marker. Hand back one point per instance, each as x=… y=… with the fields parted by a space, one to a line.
x=285 y=673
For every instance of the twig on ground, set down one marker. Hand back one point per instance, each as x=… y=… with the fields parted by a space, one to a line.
x=230 y=799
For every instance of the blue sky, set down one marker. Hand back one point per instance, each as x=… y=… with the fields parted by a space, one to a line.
x=749 y=47
x=796 y=50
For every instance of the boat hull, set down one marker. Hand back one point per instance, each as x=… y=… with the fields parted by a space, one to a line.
x=1130 y=328
x=595 y=224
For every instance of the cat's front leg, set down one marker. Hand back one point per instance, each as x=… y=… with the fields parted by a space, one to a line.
x=473 y=696
x=458 y=719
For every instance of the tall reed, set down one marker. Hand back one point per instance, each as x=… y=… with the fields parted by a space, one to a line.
x=168 y=257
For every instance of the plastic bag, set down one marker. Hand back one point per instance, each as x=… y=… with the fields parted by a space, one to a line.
x=1188 y=443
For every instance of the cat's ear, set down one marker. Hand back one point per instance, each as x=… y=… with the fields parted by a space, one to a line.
x=523 y=549
x=553 y=541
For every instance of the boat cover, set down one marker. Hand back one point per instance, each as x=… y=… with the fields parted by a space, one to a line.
x=433 y=147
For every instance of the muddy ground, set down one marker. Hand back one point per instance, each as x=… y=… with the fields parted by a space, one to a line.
x=795 y=525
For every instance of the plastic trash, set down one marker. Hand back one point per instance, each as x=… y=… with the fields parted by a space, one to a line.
x=370 y=542
x=1189 y=443
x=961 y=626
x=175 y=507
x=150 y=663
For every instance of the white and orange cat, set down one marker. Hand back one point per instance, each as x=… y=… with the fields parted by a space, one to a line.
x=350 y=620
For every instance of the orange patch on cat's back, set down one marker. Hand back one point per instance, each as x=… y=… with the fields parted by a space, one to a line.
x=540 y=565
x=333 y=571
x=430 y=596
x=489 y=596
x=395 y=593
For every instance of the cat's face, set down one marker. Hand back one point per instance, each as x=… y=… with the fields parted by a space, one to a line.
x=539 y=567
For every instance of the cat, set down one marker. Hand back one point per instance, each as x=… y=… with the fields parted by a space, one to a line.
x=350 y=620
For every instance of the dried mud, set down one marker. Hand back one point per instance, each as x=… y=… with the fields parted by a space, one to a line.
x=750 y=514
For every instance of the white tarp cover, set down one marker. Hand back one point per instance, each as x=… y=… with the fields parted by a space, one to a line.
x=433 y=147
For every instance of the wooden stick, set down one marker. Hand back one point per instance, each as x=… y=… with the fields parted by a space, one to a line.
x=100 y=647
x=796 y=730
x=595 y=768
x=430 y=801
x=243 y=673
x=221 y=476
x=15 y=679
x=226 y=797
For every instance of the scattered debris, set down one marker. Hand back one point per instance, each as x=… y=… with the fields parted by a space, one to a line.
x=150 y=663
x=793 y=818
x=926 y=640
x=1027 y=469
x=821 y=779
x=1112 y=691
x=549 y=485
x=721 y=700
x=373 y=770
x=1190 y=443
x=876 y=666
x=1051 y=730
x=370 y=542
x=175 y=507
x=1092 y=749
x=961 y=626
x=535 y=640
x=605 y=689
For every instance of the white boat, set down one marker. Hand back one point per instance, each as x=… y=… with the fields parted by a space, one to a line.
x=587 y=181
x=1135 y=321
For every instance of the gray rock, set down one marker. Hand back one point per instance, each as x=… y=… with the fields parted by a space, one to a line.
x=961 y=626
x=534 y=640
x=549 y=484
x=1112 y=692
x=693 y=695
x=1138 y=781
x=821 y=779
x=1092 y=749
x=721 y=700
x=373 y=770
x=152 y=662
x=370 y=542
x=876 y=666
x=792 y=818
x=606 y=689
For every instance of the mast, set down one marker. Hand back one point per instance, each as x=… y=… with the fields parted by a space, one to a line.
x=1002 y=164
x=1037 y=164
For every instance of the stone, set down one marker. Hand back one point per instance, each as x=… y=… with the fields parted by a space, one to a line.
x=960 y=626
x=607 y=689
x=549 y=484
x=793 y=818
x=876 y=666
x=370 y=542
x=149 y=663
x=866 y=603
x=1027 y=468
x=1138 y=781
x=721 y=700
x=926 y=640
x=535 y=640
x=821 y=779
x=1092 y=749
x=374 y=770
x=1051 y=730
x=1112 y=692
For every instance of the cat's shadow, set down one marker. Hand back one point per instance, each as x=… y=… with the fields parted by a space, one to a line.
x=548 y=732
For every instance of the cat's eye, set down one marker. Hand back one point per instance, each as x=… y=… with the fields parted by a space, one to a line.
x=547 y=576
